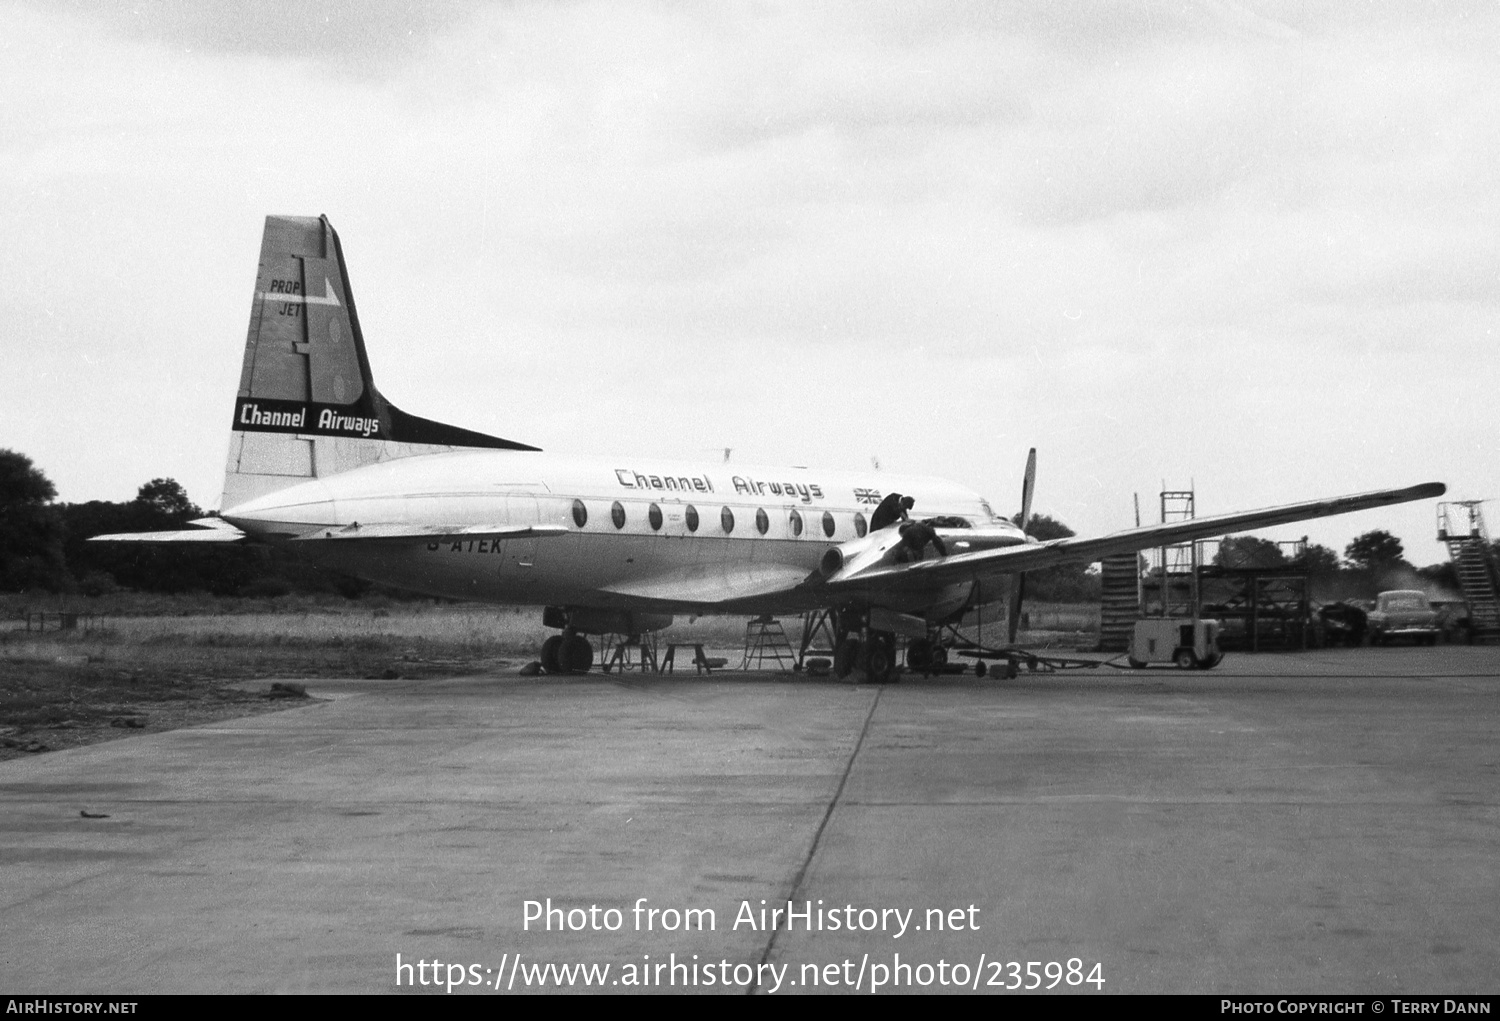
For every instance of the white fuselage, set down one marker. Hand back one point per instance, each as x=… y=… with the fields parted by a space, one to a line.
x=654 y=534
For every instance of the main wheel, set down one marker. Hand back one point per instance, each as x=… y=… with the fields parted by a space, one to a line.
x=550 y=649
x=879 y=661
x=919 y=655
x=845 y=656
x=576 y=655
x=1185 y=659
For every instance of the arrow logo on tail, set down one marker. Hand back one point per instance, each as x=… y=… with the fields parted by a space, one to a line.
x=327 y=298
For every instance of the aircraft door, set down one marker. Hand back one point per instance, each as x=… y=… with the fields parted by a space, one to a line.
x=518 y=558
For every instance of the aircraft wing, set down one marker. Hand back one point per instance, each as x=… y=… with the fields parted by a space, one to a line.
x=1075 y=549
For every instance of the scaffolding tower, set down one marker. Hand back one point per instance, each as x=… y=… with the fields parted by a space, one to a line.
x=1261 y=606
x=1171 y=587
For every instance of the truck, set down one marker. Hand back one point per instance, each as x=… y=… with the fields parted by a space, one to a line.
x=1403 y=613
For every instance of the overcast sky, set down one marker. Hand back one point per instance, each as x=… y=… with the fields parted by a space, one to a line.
x=1250 y=247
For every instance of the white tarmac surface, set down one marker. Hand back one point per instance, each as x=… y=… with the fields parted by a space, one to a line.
x=1294 y=823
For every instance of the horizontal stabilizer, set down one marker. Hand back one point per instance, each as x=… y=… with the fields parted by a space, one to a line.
x=406 y=534
x=219 y=531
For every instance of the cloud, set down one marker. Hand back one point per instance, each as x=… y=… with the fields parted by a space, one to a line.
x=362 y=38
x=818 y=230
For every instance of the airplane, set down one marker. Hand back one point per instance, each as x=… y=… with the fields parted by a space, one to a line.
x=321 y=461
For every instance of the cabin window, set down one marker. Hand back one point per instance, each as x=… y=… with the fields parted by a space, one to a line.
x=860 y=526
x=654 y=514
x=726 y=518
x=762 y=521
x=796 y=521
x=691 y=514
x=828 y=524
x=617 y=514
x=580 y=513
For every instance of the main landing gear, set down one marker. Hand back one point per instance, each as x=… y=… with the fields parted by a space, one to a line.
x=567 y=653
x=926 y=656
x=860 y=647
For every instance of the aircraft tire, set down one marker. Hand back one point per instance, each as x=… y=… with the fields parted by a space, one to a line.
x=920 y=655
x=576 y=655
x=550 y=649
x=878 y=661
x=1185 y=659
x=845 y=656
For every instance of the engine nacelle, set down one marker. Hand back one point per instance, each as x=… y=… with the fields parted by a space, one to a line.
x=849 y=558
x=891 y=546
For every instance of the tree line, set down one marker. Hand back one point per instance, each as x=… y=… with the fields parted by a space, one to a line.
x=44 y=546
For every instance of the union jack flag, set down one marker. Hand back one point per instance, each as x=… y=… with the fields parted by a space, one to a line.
x=867 y=495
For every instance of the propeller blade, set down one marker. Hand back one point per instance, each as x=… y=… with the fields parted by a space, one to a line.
x=1028 y=487
x=1015 y=607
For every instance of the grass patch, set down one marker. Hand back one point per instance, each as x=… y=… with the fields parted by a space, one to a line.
x=172 y=661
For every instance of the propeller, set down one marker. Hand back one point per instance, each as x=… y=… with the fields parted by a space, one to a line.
x=1028 y=485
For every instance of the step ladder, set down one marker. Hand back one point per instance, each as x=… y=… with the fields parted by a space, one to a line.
x=1461 y=528
x=765 y=639
x=1119 y=601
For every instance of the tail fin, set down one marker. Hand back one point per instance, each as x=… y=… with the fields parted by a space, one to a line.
x=307 y=406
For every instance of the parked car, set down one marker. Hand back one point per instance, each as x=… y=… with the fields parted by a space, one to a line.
x=1343 y=624
x=1453 y=620
x=1403 y=613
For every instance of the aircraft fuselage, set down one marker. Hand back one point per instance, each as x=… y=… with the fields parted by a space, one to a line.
x=641 y=533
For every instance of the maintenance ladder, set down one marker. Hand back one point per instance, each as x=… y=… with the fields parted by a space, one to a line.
x=1461 y=527
x=765 y=639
